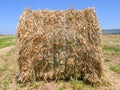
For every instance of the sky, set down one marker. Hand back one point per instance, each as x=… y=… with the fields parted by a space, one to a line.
x=108 y=11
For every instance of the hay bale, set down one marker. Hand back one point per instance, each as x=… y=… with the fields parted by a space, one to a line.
x=57 y=44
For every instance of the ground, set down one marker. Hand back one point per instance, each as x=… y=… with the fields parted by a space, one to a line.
x=9 y=68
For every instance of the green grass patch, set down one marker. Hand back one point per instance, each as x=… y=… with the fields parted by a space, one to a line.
x=6 y=82
x=80 y=85
x=61 y=88
x=115 y=69
x=5 y=67
x=77 y=85
x=6 y=41
x=111 y=48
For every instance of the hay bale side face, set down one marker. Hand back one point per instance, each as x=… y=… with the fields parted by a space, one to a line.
x=59 y=44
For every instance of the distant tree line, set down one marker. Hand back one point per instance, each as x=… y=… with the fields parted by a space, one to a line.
x=111 y=31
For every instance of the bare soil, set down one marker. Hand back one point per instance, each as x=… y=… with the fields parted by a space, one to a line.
x=5 y=50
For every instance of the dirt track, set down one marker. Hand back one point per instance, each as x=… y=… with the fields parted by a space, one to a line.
x=3 y=51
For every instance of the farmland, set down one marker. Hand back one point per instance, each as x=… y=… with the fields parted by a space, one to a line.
x=9 y=68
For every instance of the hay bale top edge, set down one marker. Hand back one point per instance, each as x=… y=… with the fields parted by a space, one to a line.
x=49 y=10
x=89 y=8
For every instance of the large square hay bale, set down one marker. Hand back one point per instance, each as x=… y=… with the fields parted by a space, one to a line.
x=59 y=44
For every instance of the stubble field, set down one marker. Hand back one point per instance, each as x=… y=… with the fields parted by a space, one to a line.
x=9 y=68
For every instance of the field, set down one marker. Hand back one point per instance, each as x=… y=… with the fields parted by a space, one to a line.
x=9 y=68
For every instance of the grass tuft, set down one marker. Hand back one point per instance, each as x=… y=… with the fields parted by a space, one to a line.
x=6 y=82
x=61 y=88
x=115 y=69
x=77 y=85
x=107 y=60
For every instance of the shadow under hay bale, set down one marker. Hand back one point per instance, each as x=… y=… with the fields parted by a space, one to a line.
x=59 y=44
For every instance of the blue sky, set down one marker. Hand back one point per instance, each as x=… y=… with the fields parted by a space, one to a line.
x=108 y=11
